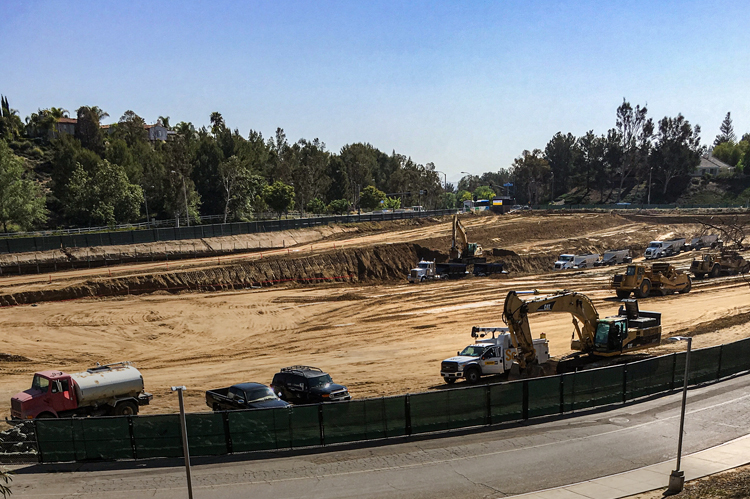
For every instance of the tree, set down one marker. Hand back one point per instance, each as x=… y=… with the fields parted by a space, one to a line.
x=726 y=131
x=462 y=196
x=559 y=153
x=6 y=477
x=483 y=192
x=531 y=172
x=728 y=152
x=588 y=161
x=10 y=122
x=339 y=206
x=163 y=121
x=359 y=160
x=371 y=198
x=635 y=131
x=677 y=150
x=279 y=197
x=231 y=172
x=22 y=201
x=447 y=201
x=103 y=197
x=217 y=123
x=316 y=206
x=308 y=170
x=240 y=186
x=88 y=129
x=131 y=128
x=392 y=203
x=179 y=188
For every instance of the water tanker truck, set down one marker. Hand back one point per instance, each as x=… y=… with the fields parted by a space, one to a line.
x=110 y=390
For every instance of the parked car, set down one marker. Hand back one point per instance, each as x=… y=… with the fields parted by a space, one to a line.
x=243 y=396
x=307 y=385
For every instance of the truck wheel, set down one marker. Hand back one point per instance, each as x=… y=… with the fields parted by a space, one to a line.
x=127 y=408
x=644 y=289
x=623 y=293
x=46 y=415
x=699 y=275
x=688 y=287
x=421 y=279
x=714 y=271
x=450 y=381
x=472 y=376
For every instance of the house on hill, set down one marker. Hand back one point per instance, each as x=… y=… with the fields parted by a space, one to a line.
x=711 y=166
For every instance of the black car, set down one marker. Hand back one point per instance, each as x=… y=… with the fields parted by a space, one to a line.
x=243 y=396
x=307 y=385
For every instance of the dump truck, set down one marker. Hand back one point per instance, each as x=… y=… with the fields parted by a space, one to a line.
x=424 y=271
x=705 y=241
x=714 y=264
x=576 y=261
x=451 y=270
x=614 y=257
x=487 y=269
x=629 y=330
x=659 y=249
x=656 y=279
x=109 y=390
x=492 y=356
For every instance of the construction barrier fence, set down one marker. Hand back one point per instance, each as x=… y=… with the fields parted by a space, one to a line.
x=141 y=236
x=220 y=433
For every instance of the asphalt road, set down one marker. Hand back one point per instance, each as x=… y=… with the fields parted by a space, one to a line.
x=485 y=463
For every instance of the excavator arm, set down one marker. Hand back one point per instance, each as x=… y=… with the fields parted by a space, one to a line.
x=516 y=312
x=460 y=241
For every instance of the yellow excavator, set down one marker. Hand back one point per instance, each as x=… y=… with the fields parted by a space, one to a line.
x=628 y=331
x=462 y=251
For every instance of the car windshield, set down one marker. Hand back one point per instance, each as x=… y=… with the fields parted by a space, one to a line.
x=319 y=381
x=259 y=395
x=654 y=244
x=472 y=351
x=566 y=258
x=424 y=265
x=40 y=383
x=630 y=270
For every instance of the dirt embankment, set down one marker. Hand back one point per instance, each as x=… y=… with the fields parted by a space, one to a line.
x=374 y=263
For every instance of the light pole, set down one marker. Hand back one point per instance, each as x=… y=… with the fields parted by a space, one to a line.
x=677 y=478
x=445 y=177
x=184 y=191
x=649 y=185
x=185 y=448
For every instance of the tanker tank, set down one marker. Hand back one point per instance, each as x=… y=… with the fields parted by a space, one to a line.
x=100 y=384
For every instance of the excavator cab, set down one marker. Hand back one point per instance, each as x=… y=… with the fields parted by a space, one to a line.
x=610 y=333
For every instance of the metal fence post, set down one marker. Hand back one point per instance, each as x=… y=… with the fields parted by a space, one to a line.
x=674 y=368
x=227 y=435
x=624 y=383
x=488 y=403
x=407 y=414
x=525 y=403
x=132 y=437
x=321 y=425
x=718 y=369
x=562 y=393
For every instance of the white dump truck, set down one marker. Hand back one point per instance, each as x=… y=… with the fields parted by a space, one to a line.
x=659 y=249
x=424 y=271
x=110 y=390
x=615 y=257
x=705 y=241
x=485 y=357
x=576 y=261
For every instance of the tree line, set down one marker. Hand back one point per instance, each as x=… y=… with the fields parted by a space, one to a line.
x=105 y=175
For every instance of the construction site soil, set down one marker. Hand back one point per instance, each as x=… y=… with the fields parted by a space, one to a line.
x=337 y=300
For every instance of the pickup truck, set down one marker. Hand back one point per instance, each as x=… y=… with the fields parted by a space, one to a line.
x=243 y=396
x=487 y=356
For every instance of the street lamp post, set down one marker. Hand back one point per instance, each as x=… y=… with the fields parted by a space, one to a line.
x=185 y=448
x=677 y=478
x=445 y=177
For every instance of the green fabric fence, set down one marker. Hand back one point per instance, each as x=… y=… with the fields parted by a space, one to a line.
x=220 y=433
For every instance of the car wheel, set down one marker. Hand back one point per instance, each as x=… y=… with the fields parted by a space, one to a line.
x=472 y=376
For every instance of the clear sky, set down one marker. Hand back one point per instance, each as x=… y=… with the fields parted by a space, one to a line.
x=466 y=85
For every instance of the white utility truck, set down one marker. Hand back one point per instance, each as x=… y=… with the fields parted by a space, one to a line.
x=487 y=356
x=576 y=261
x=658 y=249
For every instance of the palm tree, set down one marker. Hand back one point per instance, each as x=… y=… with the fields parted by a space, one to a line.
x=164 y=121
x=5 y=476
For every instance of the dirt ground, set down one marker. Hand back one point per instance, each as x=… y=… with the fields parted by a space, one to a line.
x=378 y=338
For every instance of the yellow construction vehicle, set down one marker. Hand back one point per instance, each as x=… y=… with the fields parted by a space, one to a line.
x=713 y=264
x=655 y=279
x=462 y=251
x=628 y=331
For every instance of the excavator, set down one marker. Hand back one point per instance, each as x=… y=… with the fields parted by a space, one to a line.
x=628 y=331
x=462 y=251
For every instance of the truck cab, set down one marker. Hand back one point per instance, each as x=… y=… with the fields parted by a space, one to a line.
x=51 y=393
x=487 y=356
x=423 y=271
x=564 y=262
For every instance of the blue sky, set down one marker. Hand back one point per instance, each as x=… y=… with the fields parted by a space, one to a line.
x=466 y=85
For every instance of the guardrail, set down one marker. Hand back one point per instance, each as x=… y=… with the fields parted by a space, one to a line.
x=127 y=237
x=630 y=206
x=231 y=432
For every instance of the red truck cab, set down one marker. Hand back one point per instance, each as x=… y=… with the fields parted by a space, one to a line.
x=51 y=393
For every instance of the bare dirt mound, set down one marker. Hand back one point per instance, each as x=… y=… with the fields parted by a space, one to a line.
x=375 y=263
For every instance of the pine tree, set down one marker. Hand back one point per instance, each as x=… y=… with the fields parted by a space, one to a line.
x=727 y=131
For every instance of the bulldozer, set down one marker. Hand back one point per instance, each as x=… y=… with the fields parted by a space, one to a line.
x=646 y=280
x=462 y=251
x=714 y=264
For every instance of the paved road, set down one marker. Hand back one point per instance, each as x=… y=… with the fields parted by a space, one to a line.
x=495 y=463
